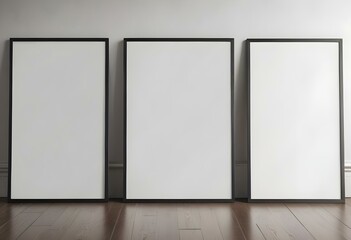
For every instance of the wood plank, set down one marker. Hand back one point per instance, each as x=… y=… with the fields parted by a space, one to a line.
x=145 y=223
x=100 y=225
x=103 y=223
x=246 y=217
x=319 y=222
x=167 y=222
x=37 y=232
x=10 y=211
x=17 y=225
x=50 y=215
x=37 y=207
x=42 y=227
x=228 y=222
x=188 y=217
x=79 y=228
x=124 y=226
x=150 y=209
x=340 y=211
x=277 y=222
x=208 y=222
x=58 y=228
x=190 y=234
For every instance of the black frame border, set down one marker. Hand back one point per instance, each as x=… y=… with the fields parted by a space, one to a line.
x=231 y=41
x=106 y=41
x=341 y=116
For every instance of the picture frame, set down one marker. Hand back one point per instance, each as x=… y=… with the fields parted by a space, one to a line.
x=58 y=120
x=157 y=68
x=295 y=112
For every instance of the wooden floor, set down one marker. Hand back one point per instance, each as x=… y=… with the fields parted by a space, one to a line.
x=115 y=220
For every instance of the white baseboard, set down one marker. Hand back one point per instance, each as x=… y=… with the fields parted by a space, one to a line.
x=116 y=172
x=347 y=179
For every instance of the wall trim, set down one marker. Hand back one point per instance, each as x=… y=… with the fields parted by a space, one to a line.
x=3 y=168
x=115 y=165
x=241 y=188
x=348 y=167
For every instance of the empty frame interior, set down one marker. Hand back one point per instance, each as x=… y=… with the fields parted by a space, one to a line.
x=178 y=119
x=295 y=120
x=58 y=119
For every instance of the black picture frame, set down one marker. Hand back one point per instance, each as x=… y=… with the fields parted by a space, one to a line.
x=106 y=114
x=231 y=41
x=341 y=117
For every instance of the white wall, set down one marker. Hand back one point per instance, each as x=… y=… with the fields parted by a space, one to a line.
x=117 y=19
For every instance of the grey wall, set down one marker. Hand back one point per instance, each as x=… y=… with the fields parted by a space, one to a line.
x=117 y=19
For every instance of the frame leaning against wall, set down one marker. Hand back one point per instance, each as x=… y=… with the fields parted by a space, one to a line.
x=78 y=67
x=177 y=40
x=333 y=61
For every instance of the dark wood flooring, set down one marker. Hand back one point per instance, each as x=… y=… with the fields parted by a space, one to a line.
x=181 y=221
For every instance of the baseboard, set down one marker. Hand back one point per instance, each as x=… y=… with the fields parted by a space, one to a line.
x=348 y=179
x=116 y=189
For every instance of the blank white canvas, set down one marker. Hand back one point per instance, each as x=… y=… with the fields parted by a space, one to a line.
x=178 y=120
x=295 y=123
x=58 y=120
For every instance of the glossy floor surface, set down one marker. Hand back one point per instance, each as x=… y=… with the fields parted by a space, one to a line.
x=115 y=220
